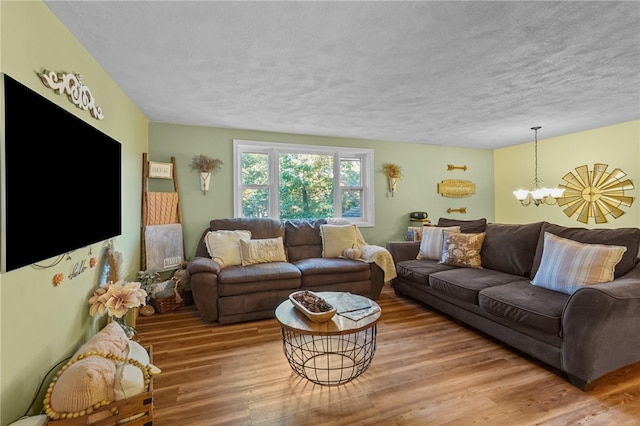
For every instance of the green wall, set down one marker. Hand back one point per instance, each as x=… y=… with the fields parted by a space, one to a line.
x=41 y=324
x=423 y=167
x=618 y=146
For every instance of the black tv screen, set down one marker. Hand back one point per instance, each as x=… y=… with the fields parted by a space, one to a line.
x=60 y=180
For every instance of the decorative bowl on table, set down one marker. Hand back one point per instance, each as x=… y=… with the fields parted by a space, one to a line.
x=312 y=306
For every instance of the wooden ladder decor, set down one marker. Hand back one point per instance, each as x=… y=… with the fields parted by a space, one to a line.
x=158 y=208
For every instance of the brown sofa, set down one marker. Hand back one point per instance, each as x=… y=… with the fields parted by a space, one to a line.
x=243 y=293
x=586 y=334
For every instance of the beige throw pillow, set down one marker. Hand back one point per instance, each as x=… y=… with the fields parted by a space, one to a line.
x=337 y=238
x=224 y=246
x=463 y=250
x=567 y=265
x=432 y=239
x=262 y=251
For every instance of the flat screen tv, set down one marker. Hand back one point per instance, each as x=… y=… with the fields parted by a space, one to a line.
x=60 y=180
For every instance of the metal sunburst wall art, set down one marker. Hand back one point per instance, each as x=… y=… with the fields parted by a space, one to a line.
x=595 y=193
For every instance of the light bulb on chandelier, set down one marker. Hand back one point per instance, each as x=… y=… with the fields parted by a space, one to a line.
x=538 y=195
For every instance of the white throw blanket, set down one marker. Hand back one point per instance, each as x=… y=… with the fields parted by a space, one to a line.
x=371 y=253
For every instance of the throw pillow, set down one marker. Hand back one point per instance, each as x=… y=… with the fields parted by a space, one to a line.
x=431 y=242
x=224 y=246
x=129 y=380
x=567 y=265
x=337 y=238
x=627 y=237
x=459 y=249
x=90 y=380
x=262 y=251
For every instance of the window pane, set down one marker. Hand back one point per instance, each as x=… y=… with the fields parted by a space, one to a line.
x=255 y=203
x=255 y=168
x=306 y=186
x=351 y=203
x=350 y=172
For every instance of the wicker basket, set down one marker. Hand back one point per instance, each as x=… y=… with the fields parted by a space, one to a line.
x=170 y=302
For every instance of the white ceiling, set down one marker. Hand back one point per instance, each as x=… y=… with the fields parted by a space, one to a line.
x=471 y=74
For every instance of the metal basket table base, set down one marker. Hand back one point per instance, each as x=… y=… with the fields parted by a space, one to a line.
x=332 y=359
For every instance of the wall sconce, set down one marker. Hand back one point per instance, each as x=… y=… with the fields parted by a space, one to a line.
x=537 y=195
x=393 y=172
x=206 y=166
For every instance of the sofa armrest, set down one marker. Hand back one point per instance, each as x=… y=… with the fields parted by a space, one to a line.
x=203 y=275
x=601 y=328
x=403 y=250
x=203 y=264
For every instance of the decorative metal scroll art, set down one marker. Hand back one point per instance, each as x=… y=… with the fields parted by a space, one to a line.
x=595 y=193
x=456 y=188
x=71 y=85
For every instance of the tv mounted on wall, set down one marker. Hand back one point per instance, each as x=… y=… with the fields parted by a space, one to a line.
x=60 y=180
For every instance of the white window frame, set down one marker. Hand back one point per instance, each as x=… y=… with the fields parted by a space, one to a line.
x=367 y=208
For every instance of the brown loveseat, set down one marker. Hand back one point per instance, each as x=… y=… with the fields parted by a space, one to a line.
x=587 y=332
x=242 y=293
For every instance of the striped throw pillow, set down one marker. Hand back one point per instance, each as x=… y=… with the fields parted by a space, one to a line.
x=432 y=240
x=567 y=265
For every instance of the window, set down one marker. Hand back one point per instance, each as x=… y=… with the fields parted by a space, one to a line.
x=287 y=181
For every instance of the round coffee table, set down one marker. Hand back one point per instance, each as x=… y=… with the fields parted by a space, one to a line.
x=332 y=352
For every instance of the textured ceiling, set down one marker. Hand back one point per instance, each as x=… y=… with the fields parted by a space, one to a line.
x=471 y=74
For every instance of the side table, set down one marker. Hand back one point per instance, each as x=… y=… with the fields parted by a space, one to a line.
x=333 y=352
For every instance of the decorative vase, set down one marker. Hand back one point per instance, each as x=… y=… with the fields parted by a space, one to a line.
x=130 y=332
x=205 y=177
x=392 y=185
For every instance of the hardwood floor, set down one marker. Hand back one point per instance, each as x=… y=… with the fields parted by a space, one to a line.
x=427 y=370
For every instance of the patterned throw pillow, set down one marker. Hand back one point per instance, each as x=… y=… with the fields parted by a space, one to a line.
x=262 y=251
x=459 y=249
x=432 y=239
x=224 y=246
x=567 y=265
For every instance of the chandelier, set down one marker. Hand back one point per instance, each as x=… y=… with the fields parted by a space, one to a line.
x=538 y=195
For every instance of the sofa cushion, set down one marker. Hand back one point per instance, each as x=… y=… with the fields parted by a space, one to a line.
x=627 y=237
x=510 y=248
x=419 y=270
x=525 y=304
x=473 y=226
x=465 y=283
x=463 y=250
x=324 y=271
x=262 y=251
x=431 y=242
x=224 y=246
x=337 y=238
x=567 y=265
x=258 y=278
x=302 y=239
x=258 y=272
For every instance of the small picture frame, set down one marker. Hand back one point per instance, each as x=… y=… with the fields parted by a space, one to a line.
x=160 y=170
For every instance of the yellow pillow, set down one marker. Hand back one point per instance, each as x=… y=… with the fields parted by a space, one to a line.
x=262 y=251
x=224 y=246
x=337 y=238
